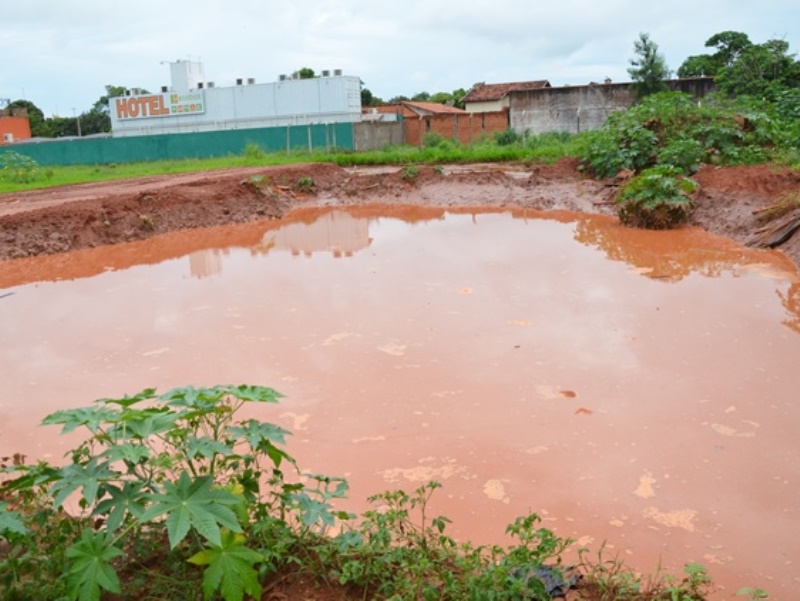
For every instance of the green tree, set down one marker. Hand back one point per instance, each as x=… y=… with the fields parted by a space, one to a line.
x=729 y=44
x=648 y=68
x=306 y=73
x=763 y=70
x=700 y=65
x=40 y=128
x=369 y=99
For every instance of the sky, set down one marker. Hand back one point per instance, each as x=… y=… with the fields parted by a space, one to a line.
x=60 y=54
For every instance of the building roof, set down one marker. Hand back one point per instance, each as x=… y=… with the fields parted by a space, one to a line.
x=431 y=108
x=487 y=92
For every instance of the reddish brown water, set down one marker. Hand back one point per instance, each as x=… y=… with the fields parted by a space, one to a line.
x=632 y=387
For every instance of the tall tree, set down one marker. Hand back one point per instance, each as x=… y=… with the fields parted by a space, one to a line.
x=648 y=67
x=763 y=70
x=729 y=44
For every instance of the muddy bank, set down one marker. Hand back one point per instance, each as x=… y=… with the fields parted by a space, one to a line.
x=88 y=215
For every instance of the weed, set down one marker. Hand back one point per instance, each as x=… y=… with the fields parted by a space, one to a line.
x=438 y=170
x=254 y=152
x=146 y=223
x=508 y=137
x=410 y=173
x=306 y=184
x=18 y=168
x=752 y=594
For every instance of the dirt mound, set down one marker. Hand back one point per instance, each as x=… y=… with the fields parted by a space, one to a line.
x=73 y=217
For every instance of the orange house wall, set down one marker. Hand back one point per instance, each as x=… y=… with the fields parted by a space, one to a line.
x=19 y=127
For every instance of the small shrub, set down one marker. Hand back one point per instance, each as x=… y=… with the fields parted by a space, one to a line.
x=254 y=152
x=306 y=184
x=19 y=168
x=658 y=198
x=410 y=173
x=508 y=137
x=684 y=153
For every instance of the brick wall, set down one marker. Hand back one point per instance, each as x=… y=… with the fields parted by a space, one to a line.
x=464 y=127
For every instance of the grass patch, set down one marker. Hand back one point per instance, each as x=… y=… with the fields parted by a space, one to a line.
x=546 y=148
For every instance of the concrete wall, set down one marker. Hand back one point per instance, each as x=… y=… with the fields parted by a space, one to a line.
x=578 y=108
x=374 y=135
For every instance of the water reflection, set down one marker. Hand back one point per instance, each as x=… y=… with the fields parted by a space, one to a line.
x=612 y=385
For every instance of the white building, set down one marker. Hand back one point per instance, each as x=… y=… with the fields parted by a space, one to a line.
x=192 y=104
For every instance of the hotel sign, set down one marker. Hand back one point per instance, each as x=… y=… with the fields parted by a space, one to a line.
x=159 y=105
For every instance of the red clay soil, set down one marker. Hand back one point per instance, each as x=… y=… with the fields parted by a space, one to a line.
x=67 y=218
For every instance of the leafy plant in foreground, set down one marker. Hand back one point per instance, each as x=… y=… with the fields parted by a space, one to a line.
x=176 y=467
x=658 y=198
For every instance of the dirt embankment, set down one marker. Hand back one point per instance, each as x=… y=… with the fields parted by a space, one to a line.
x=730 y=202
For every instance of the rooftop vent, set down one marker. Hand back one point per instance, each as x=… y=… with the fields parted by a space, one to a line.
x=337 y=72
x=210 y=84
x=251 y=81
x=326 y=73
x=239 y=81
x=282 y=77
x=199 y=85
x=164 y=89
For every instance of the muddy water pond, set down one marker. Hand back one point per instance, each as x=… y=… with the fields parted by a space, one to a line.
x=631 y=387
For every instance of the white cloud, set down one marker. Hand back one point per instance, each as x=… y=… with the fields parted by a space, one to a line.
x=61 y=54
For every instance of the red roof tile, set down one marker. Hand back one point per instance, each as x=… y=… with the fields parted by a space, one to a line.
x=496 y=91
x=431 y=107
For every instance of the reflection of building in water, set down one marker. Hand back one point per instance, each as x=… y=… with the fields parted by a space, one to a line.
x=204 y=263
x=336 y=232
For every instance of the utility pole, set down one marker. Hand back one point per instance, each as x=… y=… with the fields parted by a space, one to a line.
x=78 y=120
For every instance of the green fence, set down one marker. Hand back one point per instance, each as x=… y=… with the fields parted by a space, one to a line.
x=92 y=151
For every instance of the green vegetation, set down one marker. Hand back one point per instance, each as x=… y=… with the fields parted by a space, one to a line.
x=658 y=198
x=667 y=136
x=545 y=148
x=173 y=496
x=648 y=68
x=20 y=169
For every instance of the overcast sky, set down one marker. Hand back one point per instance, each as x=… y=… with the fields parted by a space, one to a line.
x=60 y=54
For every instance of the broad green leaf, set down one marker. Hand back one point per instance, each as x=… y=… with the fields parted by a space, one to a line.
x=230 y=568
x=207 y=447
x=127 y=451
x=127 y=401
x=10 y=521
x=91 y=569
x=260 y=394
x=92 y=417
x=135 y=423
x=121 y=501
x=313 y=511
x=256 y=433
x=194 y=503
x=204 y=399
x=87 y=477
x=33 y=475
